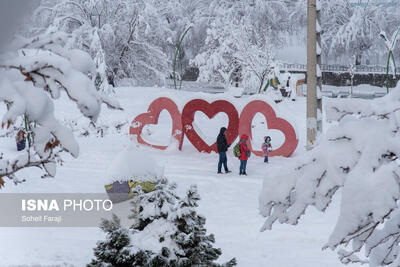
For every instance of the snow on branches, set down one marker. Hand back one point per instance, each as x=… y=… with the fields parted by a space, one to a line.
x=360 y=156
x=127 y=39
x=29 y=81
x=240 y=41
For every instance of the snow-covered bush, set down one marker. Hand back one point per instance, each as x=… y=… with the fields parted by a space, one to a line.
x=360 y=156
x=30 y=79
x=101 y=128
x=167 y=231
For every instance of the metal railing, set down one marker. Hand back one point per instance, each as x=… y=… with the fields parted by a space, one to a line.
x=336 y=68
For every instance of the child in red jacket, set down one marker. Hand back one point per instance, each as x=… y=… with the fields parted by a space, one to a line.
x=244 y=154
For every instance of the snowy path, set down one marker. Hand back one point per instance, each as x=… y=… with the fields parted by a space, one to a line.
x=229 y=202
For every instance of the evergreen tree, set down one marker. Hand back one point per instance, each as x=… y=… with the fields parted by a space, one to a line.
x=114 y=250
x=153 y=205
x=191 y=235
x=183 y=237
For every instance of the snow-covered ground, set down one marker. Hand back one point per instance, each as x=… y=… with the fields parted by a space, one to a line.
x=229 y=202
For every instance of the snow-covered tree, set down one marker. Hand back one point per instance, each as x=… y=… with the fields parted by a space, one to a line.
x=114 y=250
x=349 y=28
x=154 y=205
x=358 y=155
x=216 y=62
x=167 y=232
x=30 y=79
x=179 y=16
x=255 y=57
x=352 y=28
x=240 y=41
x=127 y=39
x=196 y=247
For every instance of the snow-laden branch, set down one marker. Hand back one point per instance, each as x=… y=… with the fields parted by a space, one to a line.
x=29 y=81
x=360 y=156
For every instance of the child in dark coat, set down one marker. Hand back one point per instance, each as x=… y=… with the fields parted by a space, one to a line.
x=266 y=148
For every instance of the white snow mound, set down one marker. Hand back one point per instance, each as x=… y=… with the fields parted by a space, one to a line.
x=134 y=164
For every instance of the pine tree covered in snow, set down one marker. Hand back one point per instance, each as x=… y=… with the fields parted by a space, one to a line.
x=360 y=156
x=191 y=237
x=114 y=250
x=167 y=232
x=154 y=205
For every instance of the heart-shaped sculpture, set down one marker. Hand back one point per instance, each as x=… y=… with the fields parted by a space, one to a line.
x=210 y=110
x=273 y=122
x=151 y=117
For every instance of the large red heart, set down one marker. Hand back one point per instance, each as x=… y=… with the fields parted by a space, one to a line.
x=151 y=117
x=210 y=110
x=273 y=122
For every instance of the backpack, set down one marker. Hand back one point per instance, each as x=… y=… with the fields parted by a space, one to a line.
x=236 y=150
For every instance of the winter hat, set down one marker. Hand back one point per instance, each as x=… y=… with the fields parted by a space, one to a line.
x=244 y=137
x=267 y=138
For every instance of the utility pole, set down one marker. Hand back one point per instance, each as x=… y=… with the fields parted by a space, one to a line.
x=319 y=66
x=314 y=73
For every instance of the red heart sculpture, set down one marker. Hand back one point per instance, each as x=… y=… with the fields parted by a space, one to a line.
x=210 y=110
x=151 y=117
x=273 y=122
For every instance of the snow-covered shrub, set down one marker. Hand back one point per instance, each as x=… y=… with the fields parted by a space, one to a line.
x=114 y=251
x=101 y=128
x=360 y=156
x=167 y=231
x=30 y=79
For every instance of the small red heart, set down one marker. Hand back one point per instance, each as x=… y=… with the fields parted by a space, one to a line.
x=151 y=117
x=273 y=122
x=210 y=110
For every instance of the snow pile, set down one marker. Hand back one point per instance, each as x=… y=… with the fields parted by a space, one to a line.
x=134 y=164
x=235 y=91
x=359 y=155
